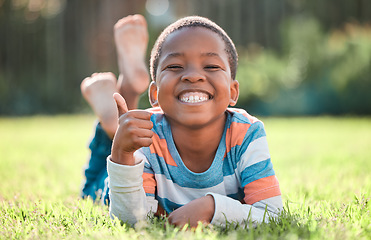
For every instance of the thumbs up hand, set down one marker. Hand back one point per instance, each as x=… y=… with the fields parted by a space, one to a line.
x=134 y=131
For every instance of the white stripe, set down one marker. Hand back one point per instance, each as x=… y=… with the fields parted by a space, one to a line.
x=183 y=195
x=231 y=184
x=257 y=151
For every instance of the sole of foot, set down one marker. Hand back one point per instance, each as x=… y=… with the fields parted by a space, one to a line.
x=98 y=91
x=131 y=39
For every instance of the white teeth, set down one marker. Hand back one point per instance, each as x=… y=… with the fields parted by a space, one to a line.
x=194 y=97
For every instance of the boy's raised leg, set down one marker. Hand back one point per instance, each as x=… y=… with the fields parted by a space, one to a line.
x=131 y=38
x=98 y=91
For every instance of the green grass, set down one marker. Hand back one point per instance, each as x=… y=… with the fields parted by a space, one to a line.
x=323 y=165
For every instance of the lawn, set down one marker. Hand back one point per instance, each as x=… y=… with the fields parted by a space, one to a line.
x=323 y=165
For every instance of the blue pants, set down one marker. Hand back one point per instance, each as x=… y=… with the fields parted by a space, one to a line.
x=96 y=176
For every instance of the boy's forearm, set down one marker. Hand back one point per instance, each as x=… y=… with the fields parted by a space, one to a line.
x=231 y=210
x=201 y=209
x=127 y=197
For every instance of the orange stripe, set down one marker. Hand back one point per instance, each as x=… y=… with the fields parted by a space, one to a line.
x=261 y=189
x=235 y=134
x=252 y=119
x=159 y=147
x=149 y=183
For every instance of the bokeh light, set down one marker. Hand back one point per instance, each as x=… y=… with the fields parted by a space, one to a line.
x=157 y=7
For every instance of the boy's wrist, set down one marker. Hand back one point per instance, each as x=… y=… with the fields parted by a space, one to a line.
x=211 y=206
x=123 y=158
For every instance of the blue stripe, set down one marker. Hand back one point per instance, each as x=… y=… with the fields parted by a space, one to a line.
x=255 y=131
x=158 y=166
x=203 y=181
x=259 y=170
x=229 y=165
x=168 y=205
x=237 y=196
x=158 y=121
x=147 y=168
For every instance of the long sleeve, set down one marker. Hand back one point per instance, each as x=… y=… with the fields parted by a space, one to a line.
x=231 y=210
x=128 y=201
x=261 y=193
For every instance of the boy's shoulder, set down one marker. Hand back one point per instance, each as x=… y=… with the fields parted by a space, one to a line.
x=242 y=116
x=242 y=129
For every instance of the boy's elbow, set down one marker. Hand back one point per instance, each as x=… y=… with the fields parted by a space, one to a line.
x=124 y=219
x=130 y=216
x=272 y=208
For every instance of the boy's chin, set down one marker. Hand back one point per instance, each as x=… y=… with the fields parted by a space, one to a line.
x=195 y=121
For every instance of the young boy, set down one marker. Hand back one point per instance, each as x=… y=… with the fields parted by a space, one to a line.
x=191 y=156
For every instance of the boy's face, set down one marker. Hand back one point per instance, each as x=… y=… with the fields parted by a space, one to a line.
x=194 y=85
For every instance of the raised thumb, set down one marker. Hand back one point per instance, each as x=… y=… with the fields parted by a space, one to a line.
x=121 y=104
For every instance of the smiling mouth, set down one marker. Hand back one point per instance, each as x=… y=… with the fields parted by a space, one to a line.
x=194 y=97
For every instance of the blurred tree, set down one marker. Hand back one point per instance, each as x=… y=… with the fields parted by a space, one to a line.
x=297 y=51
x=48 y=46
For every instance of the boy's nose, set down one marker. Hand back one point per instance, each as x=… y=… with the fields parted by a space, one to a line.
x=193 y=75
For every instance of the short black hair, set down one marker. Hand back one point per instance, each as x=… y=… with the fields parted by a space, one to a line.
x=194 y=21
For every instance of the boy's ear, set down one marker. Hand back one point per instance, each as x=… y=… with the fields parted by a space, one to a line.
x=235 y=91
x=152 y=94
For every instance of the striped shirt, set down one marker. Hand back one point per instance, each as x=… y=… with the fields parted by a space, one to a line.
x=241 y=178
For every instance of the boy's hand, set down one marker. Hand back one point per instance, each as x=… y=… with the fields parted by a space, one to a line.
x=134 y=131
x=201 y=209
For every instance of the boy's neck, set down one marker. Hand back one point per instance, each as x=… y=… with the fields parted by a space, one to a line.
x=197 y=147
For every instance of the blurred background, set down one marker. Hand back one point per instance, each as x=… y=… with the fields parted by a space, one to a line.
x=297 y=57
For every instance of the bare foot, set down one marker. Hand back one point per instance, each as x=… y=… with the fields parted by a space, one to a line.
x=98 y=92
x=131 y=38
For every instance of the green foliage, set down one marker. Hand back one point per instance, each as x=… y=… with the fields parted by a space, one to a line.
x=322 y=165
x=316 y=73
x=314 y=67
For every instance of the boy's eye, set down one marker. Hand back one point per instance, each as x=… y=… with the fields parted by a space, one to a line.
x=212 y=67
x=174 y=67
